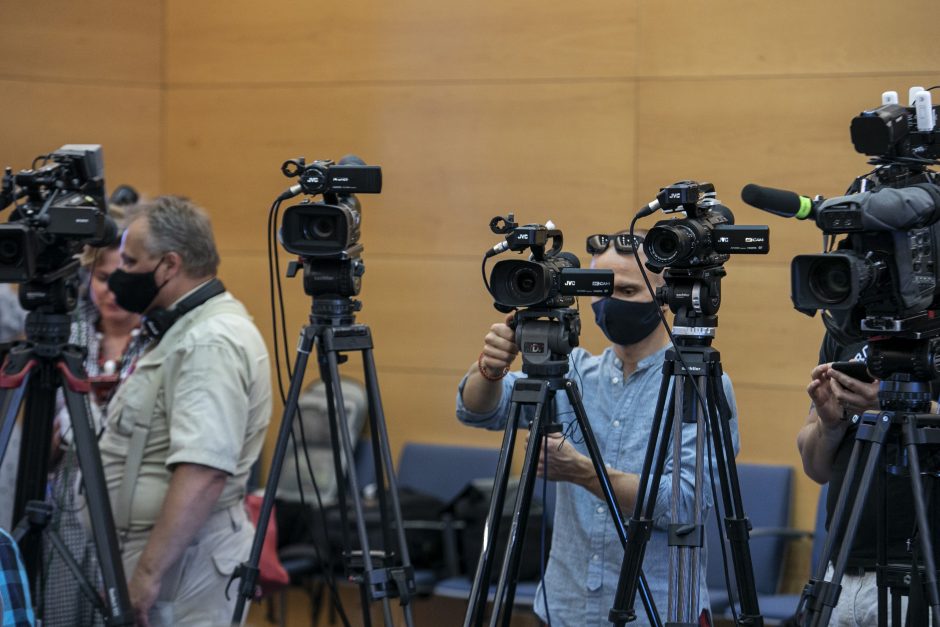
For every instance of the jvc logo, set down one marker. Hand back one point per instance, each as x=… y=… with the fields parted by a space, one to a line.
x=569 y=283
x=723 y=239
x=675 y=195
x=523 y=236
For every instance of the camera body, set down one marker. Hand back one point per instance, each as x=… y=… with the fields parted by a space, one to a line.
x=706 y=237
x=549 y=279
x=887 y=264
x=331 y=228
x=60 y=206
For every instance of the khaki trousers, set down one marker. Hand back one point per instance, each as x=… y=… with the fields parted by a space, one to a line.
x=193 y=589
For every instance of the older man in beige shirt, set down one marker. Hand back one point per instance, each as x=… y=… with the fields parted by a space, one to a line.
x=185 y=427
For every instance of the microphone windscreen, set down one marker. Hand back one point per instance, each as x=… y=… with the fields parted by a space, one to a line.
x=778 y=201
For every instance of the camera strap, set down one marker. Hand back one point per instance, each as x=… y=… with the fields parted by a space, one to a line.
x=157 y=322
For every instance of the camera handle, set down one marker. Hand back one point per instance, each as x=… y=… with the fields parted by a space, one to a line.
x=545 y=345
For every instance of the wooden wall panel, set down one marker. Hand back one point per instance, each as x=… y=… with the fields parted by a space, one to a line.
x=453 y=156
x=737 y=37
x=101 y=41
x=412 y=40
x=39 y=117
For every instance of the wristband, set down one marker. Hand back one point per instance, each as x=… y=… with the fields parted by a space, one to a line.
x=487 y=375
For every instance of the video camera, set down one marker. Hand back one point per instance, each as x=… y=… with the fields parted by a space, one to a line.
x=549 y=279
x=59 y=206
x=326 y=234
x=706 y=237
x=329 y=228
x=883 y=276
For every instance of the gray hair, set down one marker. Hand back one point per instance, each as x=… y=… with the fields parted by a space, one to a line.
x=178 y=225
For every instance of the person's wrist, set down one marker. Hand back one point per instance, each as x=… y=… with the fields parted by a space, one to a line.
x=488 y=373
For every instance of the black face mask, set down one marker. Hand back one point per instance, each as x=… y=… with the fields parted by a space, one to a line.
x=625 y=322
x=135 y=291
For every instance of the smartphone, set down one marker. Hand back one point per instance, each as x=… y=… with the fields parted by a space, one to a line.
x=855 y=369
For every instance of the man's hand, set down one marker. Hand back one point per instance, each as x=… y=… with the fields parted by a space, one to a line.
x=836 y=394
x=143 y=590
x=561 y=462
x=499 y=347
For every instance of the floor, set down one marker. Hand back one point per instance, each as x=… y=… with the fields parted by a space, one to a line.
x=426 y=612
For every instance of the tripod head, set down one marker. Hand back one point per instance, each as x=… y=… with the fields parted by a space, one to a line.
x=545 y=338
x=906 y=360
x=694 y=296
x=332 y=282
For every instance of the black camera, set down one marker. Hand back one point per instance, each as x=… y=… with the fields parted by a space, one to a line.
x=887 y=265
x=549 y=279
x=706 y=237
x=59 y=206
x=896 y=133
x=330 y=228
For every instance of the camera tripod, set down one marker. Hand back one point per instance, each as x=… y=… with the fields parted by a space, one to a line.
x=545 y=339
x=380 y=574
x=694 y=296
x=904 y=397
x=36 y=369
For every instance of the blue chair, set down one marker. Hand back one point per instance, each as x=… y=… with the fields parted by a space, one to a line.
x=783 y=606
x=766 y=493
x=444 y=470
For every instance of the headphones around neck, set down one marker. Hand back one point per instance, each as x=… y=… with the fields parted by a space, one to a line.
x=157 y=322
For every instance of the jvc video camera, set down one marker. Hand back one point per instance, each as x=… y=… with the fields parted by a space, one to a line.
x=706 y=237
x=329 y=228
x=59 y=206
x=549 y=278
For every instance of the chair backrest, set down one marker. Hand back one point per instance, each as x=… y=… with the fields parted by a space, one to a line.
x=766 y=494
x=443 y=470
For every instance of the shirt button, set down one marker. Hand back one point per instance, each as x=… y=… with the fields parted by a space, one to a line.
x=615 y=380
x=595 y=557
x=616 y=423
x=600 y=509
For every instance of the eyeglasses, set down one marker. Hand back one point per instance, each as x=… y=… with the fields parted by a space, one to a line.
x=623 y=243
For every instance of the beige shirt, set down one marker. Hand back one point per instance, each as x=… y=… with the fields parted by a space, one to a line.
x=210 y=380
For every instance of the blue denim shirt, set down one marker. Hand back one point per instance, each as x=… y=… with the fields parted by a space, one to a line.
x=586 y=556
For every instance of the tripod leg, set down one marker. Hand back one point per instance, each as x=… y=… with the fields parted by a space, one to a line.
x=610 y=497
x=10 y=401
x=248 y=571
x=641 y=524
x=737 y=525
x=405 y=580
x=343 y=430
x=76 y=389
x=924 y=530
x=479 y=591
x=506 y=588
x=827 y=594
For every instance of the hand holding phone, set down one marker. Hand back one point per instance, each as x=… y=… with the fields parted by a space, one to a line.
x=855 y=369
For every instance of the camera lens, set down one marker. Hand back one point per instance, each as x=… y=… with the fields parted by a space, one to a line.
x=319 y=227
x=10 y=251
x=830 y=280
x=668 y=244
x=524 y=281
